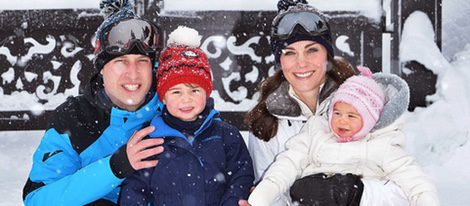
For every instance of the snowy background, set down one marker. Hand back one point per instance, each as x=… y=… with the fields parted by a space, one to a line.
x=438 y=134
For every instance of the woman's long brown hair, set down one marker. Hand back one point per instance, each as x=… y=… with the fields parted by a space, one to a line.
x=262 y=123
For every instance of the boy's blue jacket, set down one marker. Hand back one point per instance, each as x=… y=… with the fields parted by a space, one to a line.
x=210 y=167
x=73 y=165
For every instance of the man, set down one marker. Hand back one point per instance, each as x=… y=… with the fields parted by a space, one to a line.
x=83 y=156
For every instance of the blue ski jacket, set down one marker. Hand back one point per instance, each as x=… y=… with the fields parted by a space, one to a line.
x=81 y=158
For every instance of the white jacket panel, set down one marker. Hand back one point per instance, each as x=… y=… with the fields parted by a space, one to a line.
x=378 y=156
x=264 y=153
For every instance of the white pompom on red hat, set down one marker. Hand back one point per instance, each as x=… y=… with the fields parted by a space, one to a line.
x=184 y=36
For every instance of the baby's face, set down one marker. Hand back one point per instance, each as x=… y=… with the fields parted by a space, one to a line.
x=185 y=101
x=345 y=120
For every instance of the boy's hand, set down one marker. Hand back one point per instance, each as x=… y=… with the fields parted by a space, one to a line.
x=138 y=149
x=243 y=203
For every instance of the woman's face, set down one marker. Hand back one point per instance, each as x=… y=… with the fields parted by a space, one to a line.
x=303 y=64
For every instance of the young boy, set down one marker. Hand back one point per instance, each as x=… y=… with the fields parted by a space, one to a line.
x=205 y=160
x=349 y=143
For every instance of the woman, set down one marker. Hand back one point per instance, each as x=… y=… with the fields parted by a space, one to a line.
x=302 y=46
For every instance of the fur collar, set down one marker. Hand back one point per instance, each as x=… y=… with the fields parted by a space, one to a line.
x=280 y=103
x=397 y=98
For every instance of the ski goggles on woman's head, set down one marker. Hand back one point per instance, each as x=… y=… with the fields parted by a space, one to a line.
x=284 y=25
x=126 y=34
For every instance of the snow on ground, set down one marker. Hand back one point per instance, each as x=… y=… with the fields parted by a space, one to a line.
x=454 y=26
x=16 y=152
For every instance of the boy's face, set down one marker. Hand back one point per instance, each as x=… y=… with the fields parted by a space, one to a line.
x=185 y=101
x=345 y=120
x=127 y=80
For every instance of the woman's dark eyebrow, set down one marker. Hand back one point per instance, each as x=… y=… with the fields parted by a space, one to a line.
x=311 y=44
x=306 y=46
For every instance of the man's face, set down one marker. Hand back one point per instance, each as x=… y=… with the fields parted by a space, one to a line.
x=127 y=80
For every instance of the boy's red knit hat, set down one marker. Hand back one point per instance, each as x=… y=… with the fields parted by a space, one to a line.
x=183 y=62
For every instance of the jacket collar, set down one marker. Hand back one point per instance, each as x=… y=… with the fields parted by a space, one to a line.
x=144 y=113
x=283 y=103
x=164 y=130
x=397 y=98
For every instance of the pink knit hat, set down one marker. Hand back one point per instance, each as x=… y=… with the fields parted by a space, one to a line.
x=366 y=96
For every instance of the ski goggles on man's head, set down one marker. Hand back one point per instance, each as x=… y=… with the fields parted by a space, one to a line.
x=126 y=34
x=284 y=25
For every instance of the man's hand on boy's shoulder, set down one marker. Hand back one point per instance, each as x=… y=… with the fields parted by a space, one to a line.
x=139 y=149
